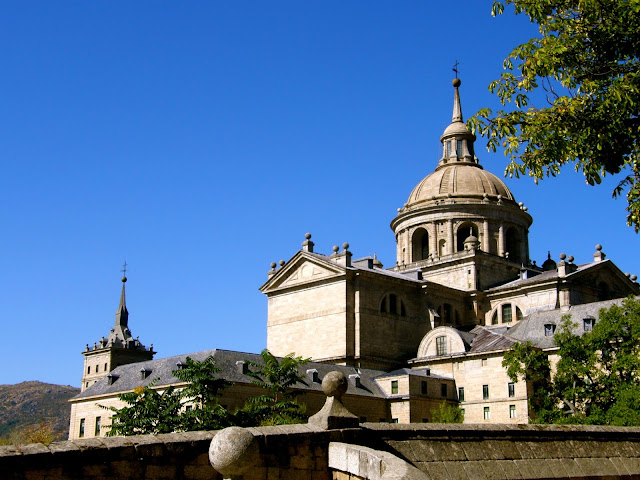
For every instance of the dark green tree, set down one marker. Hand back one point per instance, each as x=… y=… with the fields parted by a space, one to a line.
x=278 y=405
x=597 y=379
x=447 y=413
x=202 y=411
x=148 y=412
x=530 y=364
x=586 y=63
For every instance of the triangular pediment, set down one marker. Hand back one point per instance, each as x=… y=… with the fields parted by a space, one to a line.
x=302 y=269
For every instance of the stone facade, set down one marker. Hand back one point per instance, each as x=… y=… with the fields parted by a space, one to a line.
x=432 y=328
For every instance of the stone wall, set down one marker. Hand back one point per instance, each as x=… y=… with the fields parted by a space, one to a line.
x=372 y=451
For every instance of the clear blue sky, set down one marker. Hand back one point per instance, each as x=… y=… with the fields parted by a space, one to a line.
x=201 y=140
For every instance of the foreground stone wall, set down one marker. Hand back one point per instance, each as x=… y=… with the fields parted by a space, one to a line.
x=373 y=451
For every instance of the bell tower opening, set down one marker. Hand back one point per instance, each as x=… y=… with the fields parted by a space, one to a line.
x=420 y=245
x=465 y=231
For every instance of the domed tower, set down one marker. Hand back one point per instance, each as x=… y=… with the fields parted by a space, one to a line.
x=461 y=225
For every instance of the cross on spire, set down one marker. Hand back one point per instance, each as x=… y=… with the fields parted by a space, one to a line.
x=455 y=67
x=124 y=269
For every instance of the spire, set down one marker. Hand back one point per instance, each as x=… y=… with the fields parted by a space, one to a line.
x=122 y=314
x=457 y=108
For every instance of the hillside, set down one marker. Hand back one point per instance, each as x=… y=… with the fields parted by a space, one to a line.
x=30 y=403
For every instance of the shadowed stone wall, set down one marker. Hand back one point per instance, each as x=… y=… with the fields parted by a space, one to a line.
x=373 y=451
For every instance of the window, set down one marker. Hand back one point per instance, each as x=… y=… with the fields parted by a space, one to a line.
x=485 y=392
x=88 y=369
x=587 y=324
x=519 y=314
x=86 y=384
x=494 y=318
x=423 y=388
x=506 y=313
x=97 y=430
x=461 y=394
x=425 y=420
x=441 y=345
x=512 y=389
x=393 y=303
x=394 y=420
x=105 y=367
x=462 y=411
x=81 y=432
x=443 y=389
x=394 y=386
x=486 y=413
x=549 y=330
x=97 y=368
x=483 y=362
x=459 y=151
x=512 y=411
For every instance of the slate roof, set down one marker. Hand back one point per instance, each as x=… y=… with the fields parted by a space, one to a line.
x=129 y=375
x=531 y=328
x=488 y=340
x=548 y=275
x=414 y=372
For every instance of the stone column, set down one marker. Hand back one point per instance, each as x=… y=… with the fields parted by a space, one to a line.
x=485 y=237
x=450 y=246
x=501 y=241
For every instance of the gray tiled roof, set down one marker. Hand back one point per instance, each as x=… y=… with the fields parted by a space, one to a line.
x=415 y=372
x=548 y=275
x=162 y=368
x=487 y=340
x=532 y=329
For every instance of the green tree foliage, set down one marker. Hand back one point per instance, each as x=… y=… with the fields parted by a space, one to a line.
x=148 y=411
x=586 y=61
x=447 y=413
x=528 y=363
x=201 y=394
x=597 y=379
x=278 y=405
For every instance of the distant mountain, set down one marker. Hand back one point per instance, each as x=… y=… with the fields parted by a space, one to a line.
x=31 y=403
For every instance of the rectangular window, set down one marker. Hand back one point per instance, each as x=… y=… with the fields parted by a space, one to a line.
x=443 y=389
x=441 y=346
x=393 y=304
x=587 y=324
x=486 y=413
x=512 y=411
x=423 y=388
x=484 y=362
x=81 y=432
x=97 y=368
x=462 y=411
x=98 y=425
x=88 y=369
x=394 y=420
x=459 y=151
x=485 y=392
x=506 y=313
x=425 y=420
x=549 y=330
x=394 y=386
x=512 y=389
x=105 y=367
x=461 y=394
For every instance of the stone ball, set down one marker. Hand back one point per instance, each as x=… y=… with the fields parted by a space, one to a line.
x=345 y=245
x=307 y=236
x=124 y=279
x=334 y=384
x=234 y=451
x=273 y=264
x=634 y=277
x=281 y=262
x=456 y=82
x=562 y=256
x=335 y=248
x=598 y=247
x=570 y=258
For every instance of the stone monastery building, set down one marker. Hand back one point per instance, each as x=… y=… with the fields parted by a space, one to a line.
x=433 y=327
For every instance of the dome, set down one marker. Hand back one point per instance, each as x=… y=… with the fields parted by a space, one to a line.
x=459 y=180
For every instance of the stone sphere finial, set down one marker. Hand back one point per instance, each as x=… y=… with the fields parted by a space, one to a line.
x=335 y=248
x=570 y=258
x=598 y=247
x=281 y=263
x=562 y=256
x=273 y=264
x=124 y=279
x=335 y=384
x=234 y=451
x=456 y=82
x=633 y=278
x=345 y=245
x=307 y=236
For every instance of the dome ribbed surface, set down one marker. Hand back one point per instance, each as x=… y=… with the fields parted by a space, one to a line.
x=459 y=180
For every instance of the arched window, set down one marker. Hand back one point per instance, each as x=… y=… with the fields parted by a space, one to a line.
x=420 y=245
x=393 y=305
x=512 y=245
x=464 y=231
x=442 y=247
